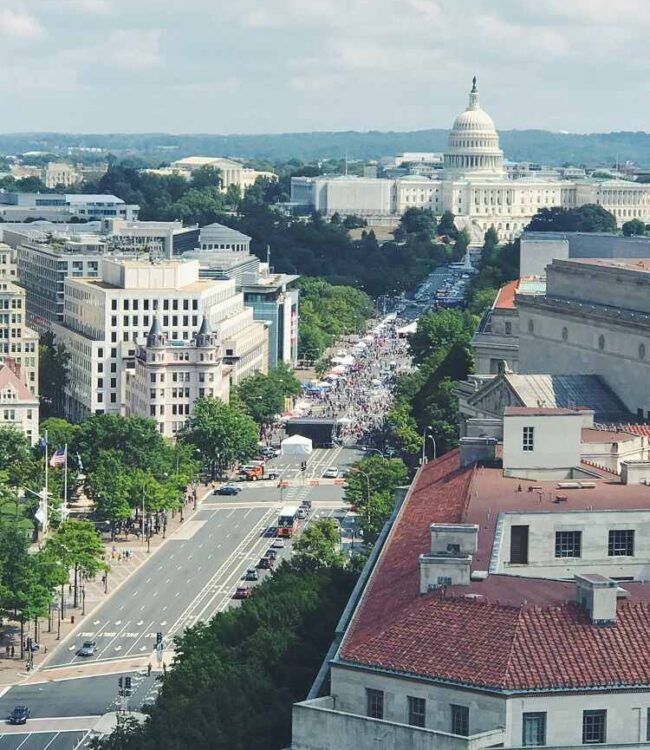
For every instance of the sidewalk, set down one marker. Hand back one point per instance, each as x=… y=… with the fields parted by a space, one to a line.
x=91 y=593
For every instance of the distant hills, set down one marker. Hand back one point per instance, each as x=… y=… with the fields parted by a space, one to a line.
x=593 y=149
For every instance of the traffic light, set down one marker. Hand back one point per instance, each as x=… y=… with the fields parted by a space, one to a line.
x=120 y=682
x=127 y=686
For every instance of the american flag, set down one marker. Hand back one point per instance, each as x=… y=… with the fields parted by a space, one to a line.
x=58 y=458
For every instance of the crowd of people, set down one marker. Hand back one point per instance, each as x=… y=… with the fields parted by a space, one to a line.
x=360 y=396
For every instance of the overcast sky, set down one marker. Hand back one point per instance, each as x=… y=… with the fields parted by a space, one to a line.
x=255 y=66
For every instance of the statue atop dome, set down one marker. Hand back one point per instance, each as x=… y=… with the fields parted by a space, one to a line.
x=474 y=85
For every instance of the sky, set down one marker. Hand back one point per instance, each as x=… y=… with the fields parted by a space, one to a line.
x=270 y=66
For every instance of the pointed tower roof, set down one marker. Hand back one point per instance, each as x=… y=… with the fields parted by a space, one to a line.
x=205 y=337
x=156 y=337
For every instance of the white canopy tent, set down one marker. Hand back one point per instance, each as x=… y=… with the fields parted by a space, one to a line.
x=296 y=445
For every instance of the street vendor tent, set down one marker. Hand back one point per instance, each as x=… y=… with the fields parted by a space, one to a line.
x=296 y=445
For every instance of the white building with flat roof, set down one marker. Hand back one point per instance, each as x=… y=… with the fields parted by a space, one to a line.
x=107 y=318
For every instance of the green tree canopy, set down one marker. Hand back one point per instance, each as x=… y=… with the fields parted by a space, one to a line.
x=53 y=375
x=262 y=396
x=632 y=227
x=318 y=545
x=223 y=433
x=587 y=218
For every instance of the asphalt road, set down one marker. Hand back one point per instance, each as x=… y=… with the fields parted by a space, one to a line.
x=195 y=573
x=64 y=740
x=88 y=696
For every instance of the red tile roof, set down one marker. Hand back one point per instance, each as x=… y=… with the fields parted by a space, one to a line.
x=8 y=377
x=506 y=632
x=506 y=297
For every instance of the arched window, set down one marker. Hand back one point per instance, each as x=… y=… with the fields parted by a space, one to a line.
x=601 y=342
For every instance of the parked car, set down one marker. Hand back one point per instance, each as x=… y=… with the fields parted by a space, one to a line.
x=306 y=504
x=272 y=554
x=228 y=489
x=331 y=473
x=88 y=648
x=266 y=563
x=251 y=575
x=242 y=592
x=278 y=543
x=19 y=715
x=301 y=514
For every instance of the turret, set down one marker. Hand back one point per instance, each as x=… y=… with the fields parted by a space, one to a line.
x=156 y=338
x=205 y=338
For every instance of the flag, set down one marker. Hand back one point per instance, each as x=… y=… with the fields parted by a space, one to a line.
x=42 y=443
x=58 y=458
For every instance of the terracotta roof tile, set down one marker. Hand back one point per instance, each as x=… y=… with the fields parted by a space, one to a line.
x=506 y=632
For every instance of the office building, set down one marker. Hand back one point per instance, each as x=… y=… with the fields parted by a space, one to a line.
x=163 y=239
x=8 y=262
x=108 y=317
x=18 y=342
x=60 y=174
x=170 y=375
x=57 y=207
x=273 y=297
x=505 y=605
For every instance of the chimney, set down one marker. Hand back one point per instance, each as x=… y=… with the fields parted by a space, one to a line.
x=598 y=595
x=477 y=450
x=635 y=472
x=448 y=563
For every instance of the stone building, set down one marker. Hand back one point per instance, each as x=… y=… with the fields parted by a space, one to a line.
x=107 y=318
x=503 y=606
x=170 y=375
x=475 y=186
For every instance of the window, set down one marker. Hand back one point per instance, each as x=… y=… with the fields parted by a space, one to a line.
x=533 y=729
x=565 y=334
x=519 y=545
x=647 y=731
x=621 y=543
x=594 y=727
x=508 y=328
x=641 y=351
x=417 y=711
x=531 y=326
x=568 y=543
x=375 y=703
x=601 y=342
x=528 y=438
x=459 y=720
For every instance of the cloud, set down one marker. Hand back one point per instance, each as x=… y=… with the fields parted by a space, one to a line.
x=91 y=7
x=19 y=26
x=134 y=50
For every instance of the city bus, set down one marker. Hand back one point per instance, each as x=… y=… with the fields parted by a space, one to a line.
x=287 y=521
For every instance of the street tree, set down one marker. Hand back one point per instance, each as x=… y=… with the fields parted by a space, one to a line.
x=371 y=484
x=79 y=548
x=109 y=486
x=262 y=396
x=587 y=218
x=319 y=545
x=136 y=440
x=223 y=433
x=446 y=225
x=16 y=458
x=632 y=227
x=59 y=431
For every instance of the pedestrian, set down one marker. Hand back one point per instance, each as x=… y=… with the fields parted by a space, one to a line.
x=13 y=651
x=164 y=666
x=149 y=669
x=7 y=650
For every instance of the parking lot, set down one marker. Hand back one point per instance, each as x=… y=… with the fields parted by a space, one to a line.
x=61 y=740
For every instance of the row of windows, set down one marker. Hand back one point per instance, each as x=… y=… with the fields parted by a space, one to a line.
x=533 y=732
x=134 y=304
x=417 y=712
x=134 y=320
x=594 y=728
x=620 y=543
x=601 y=341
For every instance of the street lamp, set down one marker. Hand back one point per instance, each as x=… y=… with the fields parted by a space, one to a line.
x=376 y=450
x=426 y=436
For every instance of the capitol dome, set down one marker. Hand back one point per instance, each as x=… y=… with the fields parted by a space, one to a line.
x=473 y=145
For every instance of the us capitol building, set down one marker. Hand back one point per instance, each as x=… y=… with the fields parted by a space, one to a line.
x=473 y=184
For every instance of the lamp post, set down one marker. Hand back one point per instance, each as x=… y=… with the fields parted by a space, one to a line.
x=376 y=450
x=425 y=437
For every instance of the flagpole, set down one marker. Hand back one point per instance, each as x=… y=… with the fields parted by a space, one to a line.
x=64 y=510
x=45 y=508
